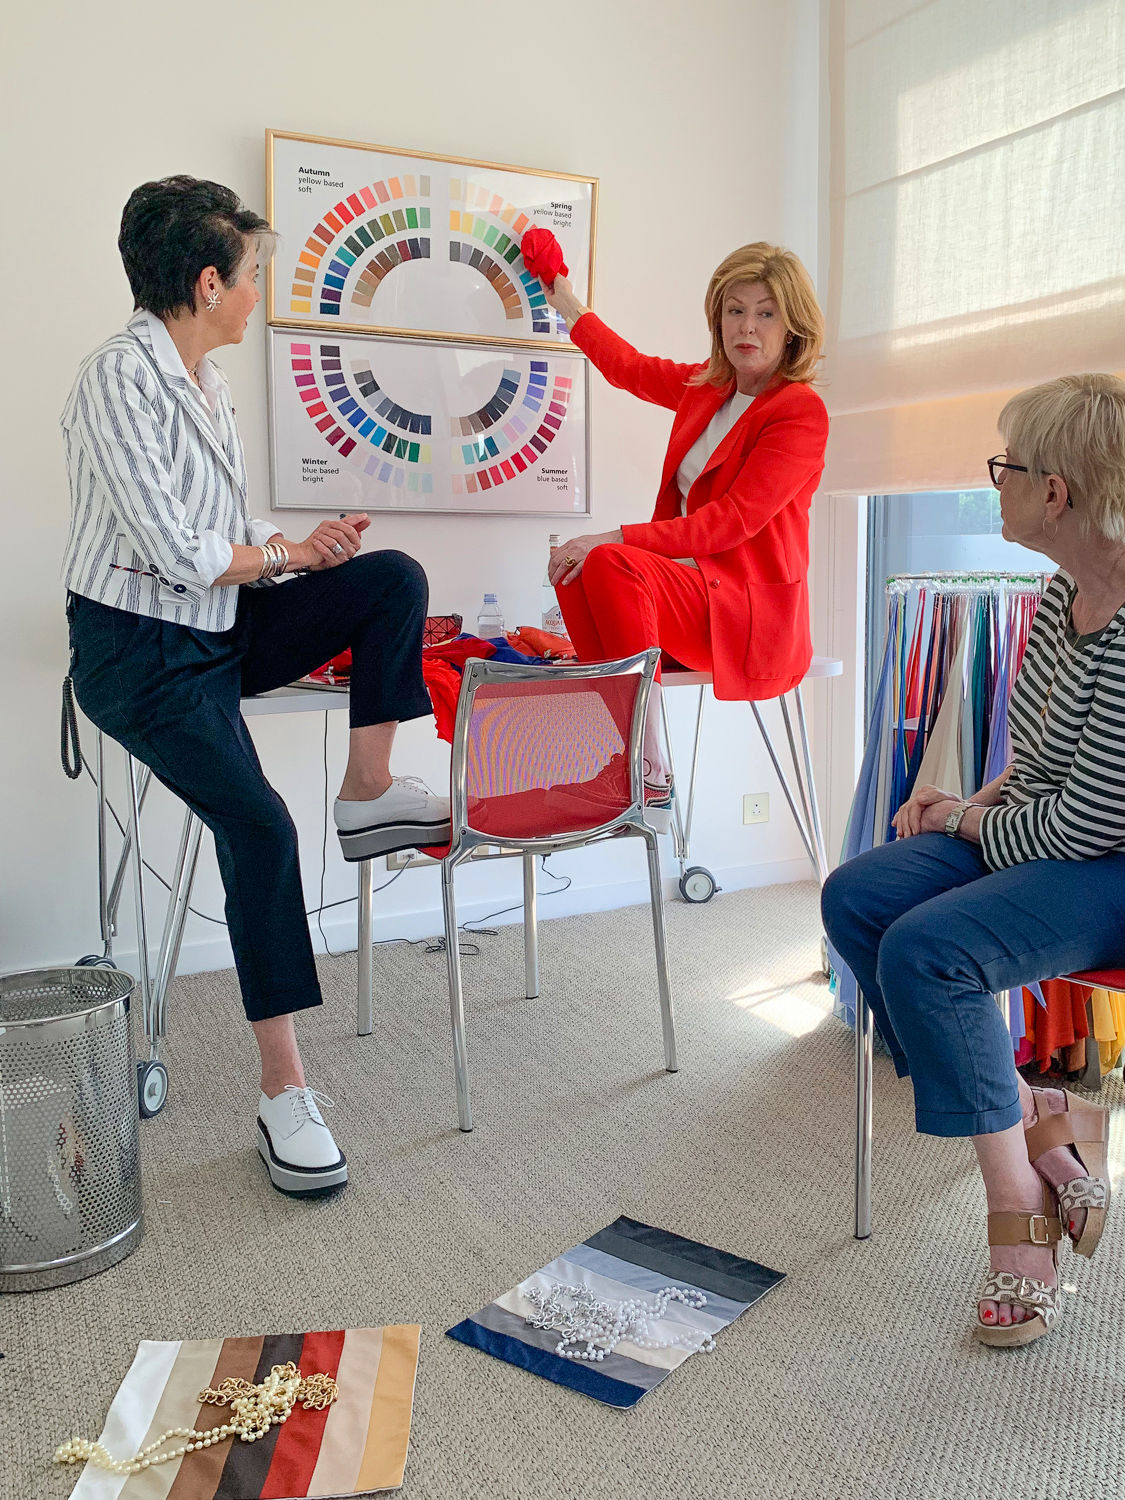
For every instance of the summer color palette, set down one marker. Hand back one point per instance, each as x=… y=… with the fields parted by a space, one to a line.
x=356 y=1446
x=626 y=1260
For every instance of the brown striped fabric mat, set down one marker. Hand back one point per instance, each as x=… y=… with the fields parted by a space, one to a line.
x=357 y=1446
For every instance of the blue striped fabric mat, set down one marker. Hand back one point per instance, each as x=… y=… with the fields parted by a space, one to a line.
x=629 y=1259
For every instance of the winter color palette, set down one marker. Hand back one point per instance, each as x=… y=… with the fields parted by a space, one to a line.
x=628 y=1263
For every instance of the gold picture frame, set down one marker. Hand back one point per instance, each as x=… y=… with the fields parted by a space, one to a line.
x=349 y=216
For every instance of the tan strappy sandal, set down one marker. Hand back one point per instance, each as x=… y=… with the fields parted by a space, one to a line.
x=1035 y=1297
x=1084 y=1127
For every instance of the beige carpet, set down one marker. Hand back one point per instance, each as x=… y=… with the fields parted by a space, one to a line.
x=857 y=1377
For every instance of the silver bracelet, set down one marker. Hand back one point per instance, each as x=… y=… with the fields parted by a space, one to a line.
x=275 y=560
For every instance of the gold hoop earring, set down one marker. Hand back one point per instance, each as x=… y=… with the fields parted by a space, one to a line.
x=1050 y=535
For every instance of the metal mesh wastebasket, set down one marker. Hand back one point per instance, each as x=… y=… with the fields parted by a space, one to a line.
x=70 y=1191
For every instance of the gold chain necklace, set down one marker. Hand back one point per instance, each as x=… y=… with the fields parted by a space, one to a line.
x=254 y=1409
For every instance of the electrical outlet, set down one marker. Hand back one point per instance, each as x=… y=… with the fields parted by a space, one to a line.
x=402 y=858
x=756 y=807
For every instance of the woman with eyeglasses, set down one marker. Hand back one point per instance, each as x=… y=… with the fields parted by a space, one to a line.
x=1025 y=880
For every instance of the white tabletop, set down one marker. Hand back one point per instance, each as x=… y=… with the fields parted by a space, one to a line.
x=820 y=666
x=294 y=700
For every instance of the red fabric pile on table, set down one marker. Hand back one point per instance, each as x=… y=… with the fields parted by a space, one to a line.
x=443 y=663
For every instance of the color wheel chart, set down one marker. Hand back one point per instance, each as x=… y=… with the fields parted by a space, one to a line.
x=389 y=242
x=360 y=422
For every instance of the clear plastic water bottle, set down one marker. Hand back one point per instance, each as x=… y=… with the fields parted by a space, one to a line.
x=552 y=614
x=490 y=621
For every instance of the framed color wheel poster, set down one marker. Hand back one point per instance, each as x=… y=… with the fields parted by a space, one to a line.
x=377 y=240
x=365 y=423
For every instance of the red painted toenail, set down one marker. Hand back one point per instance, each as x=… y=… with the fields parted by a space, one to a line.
x=989 y=1316
x=1073 y=1230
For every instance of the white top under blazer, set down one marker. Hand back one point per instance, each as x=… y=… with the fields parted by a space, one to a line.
x=157 y=482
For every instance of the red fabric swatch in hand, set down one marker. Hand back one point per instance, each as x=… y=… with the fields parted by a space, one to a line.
x=542 y=255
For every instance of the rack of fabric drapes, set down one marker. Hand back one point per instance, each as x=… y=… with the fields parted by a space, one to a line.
x=939 y=715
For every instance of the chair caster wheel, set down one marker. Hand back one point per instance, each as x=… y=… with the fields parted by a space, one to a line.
x=94 y=961
x=825 y=961
x=152 y=1087
x=697 y=885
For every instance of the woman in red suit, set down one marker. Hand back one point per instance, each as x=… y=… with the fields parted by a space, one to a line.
x=718 y=577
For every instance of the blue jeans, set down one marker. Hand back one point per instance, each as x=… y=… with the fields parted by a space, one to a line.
x=931 y=934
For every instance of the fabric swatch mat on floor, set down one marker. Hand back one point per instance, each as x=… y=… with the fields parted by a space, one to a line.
x=355 y=1446
x=627 y=1261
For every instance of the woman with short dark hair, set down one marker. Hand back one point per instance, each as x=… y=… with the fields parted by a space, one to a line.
x=173 y=619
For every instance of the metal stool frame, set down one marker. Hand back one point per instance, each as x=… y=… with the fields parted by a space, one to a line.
x=805 y=809
x=156 y=973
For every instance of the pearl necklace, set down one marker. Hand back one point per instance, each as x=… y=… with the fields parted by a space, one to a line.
x=255 y=1409
x=601 y=1324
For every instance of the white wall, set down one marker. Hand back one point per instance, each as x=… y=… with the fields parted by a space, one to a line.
x=702 y=123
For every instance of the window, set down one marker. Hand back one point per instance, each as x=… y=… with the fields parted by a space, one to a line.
x=940 y=531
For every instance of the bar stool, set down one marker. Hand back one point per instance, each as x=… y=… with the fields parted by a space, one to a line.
x=697 y=884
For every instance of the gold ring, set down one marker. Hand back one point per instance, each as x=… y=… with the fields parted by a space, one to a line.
x=571 y=562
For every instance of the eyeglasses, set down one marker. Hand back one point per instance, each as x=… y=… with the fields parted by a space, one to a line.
x=1000 y=462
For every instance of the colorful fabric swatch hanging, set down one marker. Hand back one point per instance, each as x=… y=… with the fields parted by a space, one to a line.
x=622 y=1274
x=939 y=715
x=356 y=1445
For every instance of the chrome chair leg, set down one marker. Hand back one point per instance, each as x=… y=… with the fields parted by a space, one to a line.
x=806 y=837
x=364 y=954
x=795 y=762
x=814 y=805
x=667 y=1019
x=694 y=774
x=139 y=898
x=530 y=929
x=104 y=920
x=174 y=922
x=456 y=998
x=114 y=899
x=679 y=838
x=864 y=1048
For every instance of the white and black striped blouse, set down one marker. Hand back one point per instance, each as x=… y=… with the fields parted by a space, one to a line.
x=157 y=482
x=1065 y=796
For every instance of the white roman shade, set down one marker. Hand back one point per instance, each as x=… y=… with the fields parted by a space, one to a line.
x=977 y=211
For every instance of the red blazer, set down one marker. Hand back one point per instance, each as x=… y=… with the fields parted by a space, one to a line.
x=747 y=521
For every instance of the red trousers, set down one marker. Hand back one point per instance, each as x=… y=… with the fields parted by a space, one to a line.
x=627 y=600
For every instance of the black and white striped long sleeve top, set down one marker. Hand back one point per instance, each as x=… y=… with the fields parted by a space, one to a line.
x=157 y=482
x=1065 y=796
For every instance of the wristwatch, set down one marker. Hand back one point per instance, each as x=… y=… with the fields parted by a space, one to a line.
x=953 y=821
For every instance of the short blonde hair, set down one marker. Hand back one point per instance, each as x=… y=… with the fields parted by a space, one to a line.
x=791 y=288
x=1075 y=427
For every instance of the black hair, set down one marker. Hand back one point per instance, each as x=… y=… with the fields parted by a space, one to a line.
x=172 y=230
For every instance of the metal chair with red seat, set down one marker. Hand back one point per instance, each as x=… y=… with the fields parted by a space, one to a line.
x=546 y=759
